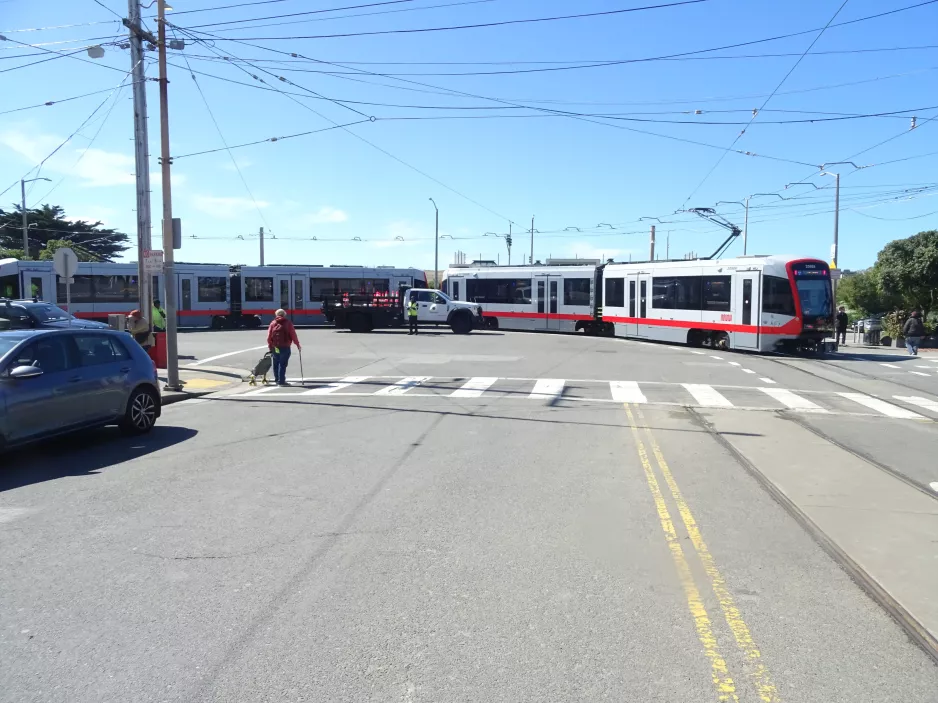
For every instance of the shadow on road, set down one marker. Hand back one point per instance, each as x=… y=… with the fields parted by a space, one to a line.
x=82 y=454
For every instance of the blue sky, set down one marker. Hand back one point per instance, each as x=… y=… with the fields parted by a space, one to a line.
x=569 y=172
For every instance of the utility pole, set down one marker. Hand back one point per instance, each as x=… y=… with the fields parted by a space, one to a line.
x=651 y=245
x=532 y=240
x=436 y=247
x=746 y=226
x=141 y=159
x=667 y=246
x=508 y=242
x=172 y=349
x=834 y=252
x=262 y=245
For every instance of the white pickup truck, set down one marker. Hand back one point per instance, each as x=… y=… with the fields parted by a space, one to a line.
x=361 y=313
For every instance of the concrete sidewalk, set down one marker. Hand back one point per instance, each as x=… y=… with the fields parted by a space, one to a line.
x=201 y=381
x=879 y=528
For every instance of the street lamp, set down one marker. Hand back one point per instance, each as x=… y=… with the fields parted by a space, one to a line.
x=436 y=247
x=746 y=220
x=23 y=183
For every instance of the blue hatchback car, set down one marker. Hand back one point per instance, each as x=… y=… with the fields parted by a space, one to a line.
x=57 y=381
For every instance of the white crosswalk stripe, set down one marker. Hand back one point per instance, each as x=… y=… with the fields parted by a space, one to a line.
x=794 y=401
x=336 y=386
x=768 y=397
x=707 y=396
x=547 y=388
x=881 y=406
x=474 y=387
x=627 y=392
x=404 y=385
x=919 y=401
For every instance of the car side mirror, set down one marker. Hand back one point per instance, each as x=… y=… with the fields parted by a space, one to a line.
x=23 y=372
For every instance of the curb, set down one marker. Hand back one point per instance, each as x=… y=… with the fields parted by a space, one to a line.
x=179 y=396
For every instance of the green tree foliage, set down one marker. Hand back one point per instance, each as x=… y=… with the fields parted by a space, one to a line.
x=90 y=240
x=11 y=253
x=53 y=245
x=863 y=293
x=908 y=268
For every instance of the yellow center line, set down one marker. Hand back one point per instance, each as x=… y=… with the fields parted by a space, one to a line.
x=759 y=674
x=722 y=681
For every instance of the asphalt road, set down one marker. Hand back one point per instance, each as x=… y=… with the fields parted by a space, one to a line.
x=499 y=517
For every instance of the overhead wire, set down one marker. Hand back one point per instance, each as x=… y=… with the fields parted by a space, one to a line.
x=101 y=4
x=59 y=54
x=755 y=113
x=39 y=166
x=301 y=14
x=381 y=149
x=49 y=103
x=482 y=25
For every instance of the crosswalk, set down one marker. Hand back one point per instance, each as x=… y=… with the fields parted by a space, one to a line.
x=564 y=392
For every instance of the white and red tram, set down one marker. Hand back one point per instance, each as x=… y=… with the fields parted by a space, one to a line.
x=755 y=303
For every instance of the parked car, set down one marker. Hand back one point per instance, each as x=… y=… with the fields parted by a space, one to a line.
x=57 y=381
x=29 y=314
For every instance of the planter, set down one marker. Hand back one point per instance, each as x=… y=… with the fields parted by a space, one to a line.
x=885 y=340
x=900 y=341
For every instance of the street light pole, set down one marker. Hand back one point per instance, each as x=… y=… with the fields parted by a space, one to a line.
x=746 y=227
x=172 y=349
x=25 y=217
x=436 y=247
x=532 y=241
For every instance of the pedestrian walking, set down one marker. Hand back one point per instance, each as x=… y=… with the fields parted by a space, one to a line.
x=280 y=335
x=842 y=326
x=913 y=330
x=412 y=314
x=139 y=328
x=159 y=317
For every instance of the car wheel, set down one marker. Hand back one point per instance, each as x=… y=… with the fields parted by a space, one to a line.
x=140 y=415
x=461 y=324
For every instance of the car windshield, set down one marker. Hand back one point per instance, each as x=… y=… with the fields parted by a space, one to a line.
x=815 y=295
x=48 y=313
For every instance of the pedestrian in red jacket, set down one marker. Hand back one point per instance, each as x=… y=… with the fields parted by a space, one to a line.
x=280 y=335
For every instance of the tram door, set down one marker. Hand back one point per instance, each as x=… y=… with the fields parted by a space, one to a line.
x=546 y=292
x=638 y=299
x=747 y=306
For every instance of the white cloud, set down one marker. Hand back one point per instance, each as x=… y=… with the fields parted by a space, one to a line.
x=101 y=168
x=34 y=149
x=225 y=208
x=104 y=215
x=325 y=215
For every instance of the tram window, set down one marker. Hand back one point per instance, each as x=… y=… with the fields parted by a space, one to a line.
x=676 y=292
x=716 y=293
x=213 y=289
x=82 y=289
x=318 y=287
x=259 y=290
x=576 y=291
x=631 y=298
x=503 y=291
x=777 y=297
x=112 y=289
x=615 y=293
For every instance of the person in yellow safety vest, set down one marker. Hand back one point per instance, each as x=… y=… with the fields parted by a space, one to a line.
x=159 y=317
x=412 y=315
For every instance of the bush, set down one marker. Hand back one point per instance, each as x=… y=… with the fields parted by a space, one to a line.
x=892 y=323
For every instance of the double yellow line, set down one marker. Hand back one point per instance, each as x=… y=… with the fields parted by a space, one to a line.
x=722 y=680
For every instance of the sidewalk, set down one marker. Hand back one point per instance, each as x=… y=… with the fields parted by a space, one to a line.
x=879 y=528
x=201 y=381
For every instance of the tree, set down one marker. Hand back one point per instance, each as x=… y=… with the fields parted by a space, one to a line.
x=908 y=268
x=53 y=245
x=863 y=293
x=48 y=224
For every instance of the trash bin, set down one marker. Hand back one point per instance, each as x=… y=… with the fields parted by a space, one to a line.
x=158 y=351
x=874 y=337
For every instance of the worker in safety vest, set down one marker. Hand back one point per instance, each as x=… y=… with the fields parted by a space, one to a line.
x=159 y=317
x=412 y=314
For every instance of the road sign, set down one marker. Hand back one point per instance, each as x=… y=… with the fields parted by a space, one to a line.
x=65 y=262
x=153 y=261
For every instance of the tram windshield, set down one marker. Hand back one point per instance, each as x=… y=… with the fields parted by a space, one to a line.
x=813 y=281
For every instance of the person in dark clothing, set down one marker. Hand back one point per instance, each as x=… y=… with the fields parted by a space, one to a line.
x=913 y=330
x=841 y=326
x=280 y=335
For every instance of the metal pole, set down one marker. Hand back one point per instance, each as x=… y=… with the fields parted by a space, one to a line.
x=141 y=160
x=667 y=246
x=436 y=247
x=532 y=241
x=746 y=227
x=25 y=223
x=262 y=246
x=172 y=351
x=509 y=243
x=651 y=245
x=834 y=253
